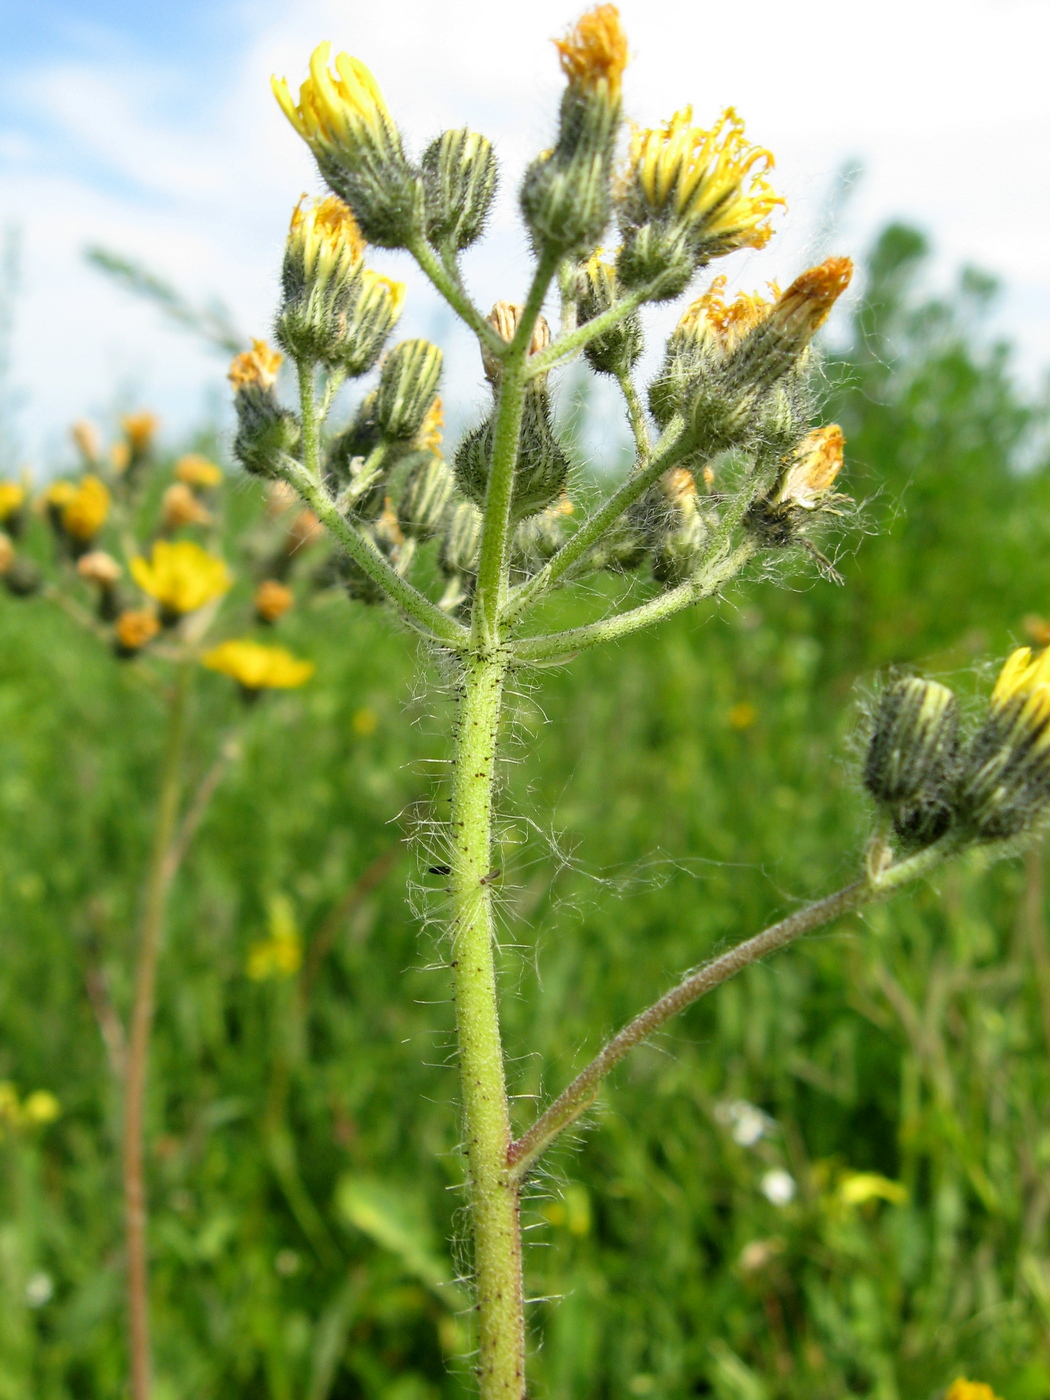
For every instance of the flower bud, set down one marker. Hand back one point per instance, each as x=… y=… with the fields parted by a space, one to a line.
x=617 y=351
x=427 y=491
x=133 y=630
x=265 y=430
x=1005 y=783
x=20 y=576
x=104 y=572
x=343 y=119
x=322 y=260
x=373 y=314
x=691 y=195
x=461 y=176
x=198 y=472
x=780 y=340
x=677 y=526
x=407 y=383
x=7 y=553
x=566 y=196
x=542 y=468
x=179 y=507
x=86 y=439
x=914 y=743
x=86 y=511
x=140 y=429
x=461 y=541
x=505 y=317
x=804 y=488
x=539 y=538
x=12 y=499
x=272 y=600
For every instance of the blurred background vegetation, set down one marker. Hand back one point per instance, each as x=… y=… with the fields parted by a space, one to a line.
x=832 y=1177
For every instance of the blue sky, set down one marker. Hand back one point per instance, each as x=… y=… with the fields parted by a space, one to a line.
x=149 y=128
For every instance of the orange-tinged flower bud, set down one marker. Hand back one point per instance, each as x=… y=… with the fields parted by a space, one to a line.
x=140 y=429
x=505 y=317
x=817 y=462
x=7 y=553
x=198 y=471
x=272 y=600
x=255 y=368
x=134 y=629
x=594 y=52
x=86 y=437
x=181 y=507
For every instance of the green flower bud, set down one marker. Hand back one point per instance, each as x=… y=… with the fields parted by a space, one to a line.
x=617 y=351
x=265 y=430
x=461 y=177
x=407 y=383
x=677 y=526
x=322 y=261
x=371 y=316
x=426 y=494
x=542 y=468
x=461 y=540
x=912 y=754
x=1005 y=783
x=540 y=537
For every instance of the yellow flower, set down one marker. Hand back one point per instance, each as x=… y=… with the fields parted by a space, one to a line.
x=86 y=511
x=134 y=629
x=59 y=494
x=140 y=430
x=341 y=114
x=7 y=553
x=713 y=180
x=259 y=667
x=41 y=1106
x=11 y=497
x=272 y=600
x=856 y=1188
x=181 y=576
x=325 y=239
x=180 y=506
x=816 y=464
x=595 y=51
x=255 y=368
x=969 y=1390
x=281 y=954
x=808 y=302
x=723 y=324
x=197 y=471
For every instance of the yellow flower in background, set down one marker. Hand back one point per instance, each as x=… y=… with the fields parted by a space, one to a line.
x=281 y=953
x=140 y=429
x=12 y=496
x=259 y=667
x=272 y=600
x=342 y=114
x=197 y=471
x=179 y=506
x=857 y=1188
x=713 y=179
x=134 y=629
x=41 y=1107
x=962 y=1389
x=255 y=368
x=595 y=51
x=59 y=494
x=181 y=576
x=85 y=512
x=99 y=567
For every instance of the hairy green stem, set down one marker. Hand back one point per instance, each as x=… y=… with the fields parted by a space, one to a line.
x=567 y=345
x=493 y=1196
x=577 y=1098
x=158 y=883
x=311 y=427
x=636 y=416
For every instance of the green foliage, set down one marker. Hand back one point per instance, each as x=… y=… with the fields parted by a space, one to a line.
x=690 y=785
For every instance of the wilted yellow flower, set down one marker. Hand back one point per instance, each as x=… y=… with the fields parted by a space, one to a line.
x=281 y=954
x=255 y=368
x=808 y=302
x=259 y=667
x=856 y=1188
x=140 y=430
x=180 y=506
x=12 y=496
x=324 y=238
x=99 y=567
x=40 y=1106
x=197 y=471
x=969 y=1390
x=86 y=511
x=338 y=115
x=723 y=324
x=595 y=51
x=181 y=576
x=816 y=464
x=714 y=180
x=135 y=628
x=272 y=600
x=86 y=438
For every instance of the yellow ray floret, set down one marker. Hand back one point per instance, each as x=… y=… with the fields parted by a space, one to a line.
x=181 y=576
x=595 y=51
x=725 y=322
x=259 y=667
x=325 y=236
x=963 y=1389
x=11 y=497
x=140 y=430
x=817 y=462
x=255 y=368
x=430 y=430
x=1024 y=682
x=339 y=113
x=377 y=285
x=715 y=178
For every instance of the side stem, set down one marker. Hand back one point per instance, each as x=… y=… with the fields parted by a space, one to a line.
x=493 y=1195
x=158 y=883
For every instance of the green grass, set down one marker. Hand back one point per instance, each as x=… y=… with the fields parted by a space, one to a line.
x=303 y=1167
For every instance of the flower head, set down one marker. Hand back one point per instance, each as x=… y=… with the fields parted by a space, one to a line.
x=99 y=567
x=1006 y=782
x=134 y=629
x=255 y=368
x=594 y=52
x=324 y=238
x=721 y=324
x=962 y=1389
x=341 y=114
x=181 y=507
x=430 y=430
x=85 y=512
x=197 y=471
x=12 y=496
x=713 y=180
x=85 y=436
x=58 y=495
x=272 y=600
x=259 y=667
x=816 y=464
x=140 y=430
x=181 y=576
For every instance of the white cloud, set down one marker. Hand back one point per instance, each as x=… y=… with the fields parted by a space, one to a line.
x=946 y=107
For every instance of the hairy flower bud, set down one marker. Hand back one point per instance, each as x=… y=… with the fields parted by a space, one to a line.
x=461 y=176
x=912 y=757
x=322 y=260
x=407 y=383
x=542 y=467
x=372 y=315
x=691 y=195
x=781 y=339
x=505 y=317
x=265 y=430
x=566 y=196
x=461 y=540
x=597 y=289
x=426 y=494
x=1005 y=783
x=677 y=526
x=805 y=487
x=539 y=538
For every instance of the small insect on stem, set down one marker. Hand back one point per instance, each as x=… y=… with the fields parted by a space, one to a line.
x=439 y=870
x=490 y=877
